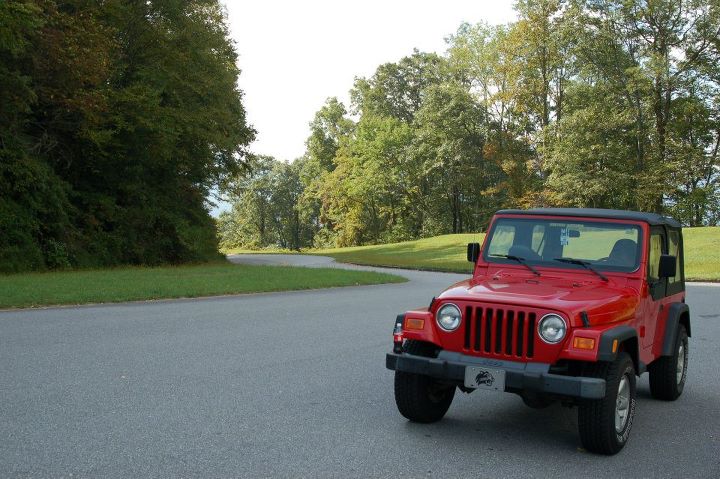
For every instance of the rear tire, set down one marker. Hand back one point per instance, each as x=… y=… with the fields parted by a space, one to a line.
x=668 y=373
x=421 y=398
x=605 y=423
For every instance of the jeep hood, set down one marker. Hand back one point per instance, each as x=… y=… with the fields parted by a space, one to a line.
x=604 y=302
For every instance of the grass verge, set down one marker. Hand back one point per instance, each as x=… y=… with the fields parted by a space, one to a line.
x=447 y=253
x=131 y=284
x=439 y=253
x=702 y=253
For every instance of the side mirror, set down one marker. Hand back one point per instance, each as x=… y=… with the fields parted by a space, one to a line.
x=668 y=266
x=473 y=252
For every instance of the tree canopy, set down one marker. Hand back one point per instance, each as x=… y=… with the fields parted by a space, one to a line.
x=587 y=103
x=117 y=120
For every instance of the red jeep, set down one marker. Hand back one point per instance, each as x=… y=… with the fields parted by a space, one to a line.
x=564 y=305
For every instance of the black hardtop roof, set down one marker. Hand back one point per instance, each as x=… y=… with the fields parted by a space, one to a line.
x=650 y=218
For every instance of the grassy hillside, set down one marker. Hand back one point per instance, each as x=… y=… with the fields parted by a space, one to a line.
x=447 y=253
x=440 y=253
x=702 y=253
x=129 y=284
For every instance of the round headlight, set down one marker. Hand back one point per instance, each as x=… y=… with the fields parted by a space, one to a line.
x=552 y=328
x=448 y=317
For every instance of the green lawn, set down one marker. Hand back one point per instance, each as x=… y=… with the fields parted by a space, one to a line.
x=440 y=253
x=129 y=284
x=447 y=253
x=702 y=253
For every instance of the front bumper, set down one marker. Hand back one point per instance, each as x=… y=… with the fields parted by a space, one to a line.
x=519 y=377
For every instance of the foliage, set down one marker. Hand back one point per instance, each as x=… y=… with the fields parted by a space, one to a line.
x=364 y=196
x=397 y=90
x=451 y=132
x=266 y=208
x=587 y=103
x=116 y=121
x=329 y=129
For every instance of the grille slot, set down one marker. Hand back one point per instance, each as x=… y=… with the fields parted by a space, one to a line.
x=478 y=328
x=488 y=328
x=500 y=332
x=531 y=328
x=509 y=332
x=468 y=315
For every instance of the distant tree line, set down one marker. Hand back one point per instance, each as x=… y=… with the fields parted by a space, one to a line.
x=117 y=120
x=587 y=103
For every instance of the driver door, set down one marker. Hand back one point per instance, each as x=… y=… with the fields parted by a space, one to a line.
x=656 y=287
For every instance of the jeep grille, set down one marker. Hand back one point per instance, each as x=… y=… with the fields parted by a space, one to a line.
x=500 y=332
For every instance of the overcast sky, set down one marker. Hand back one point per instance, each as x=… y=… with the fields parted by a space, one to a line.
x=295 y=54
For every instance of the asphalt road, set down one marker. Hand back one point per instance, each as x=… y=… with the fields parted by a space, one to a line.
x=294 y=385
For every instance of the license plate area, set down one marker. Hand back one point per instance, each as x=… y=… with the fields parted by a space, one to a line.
x=480 y=377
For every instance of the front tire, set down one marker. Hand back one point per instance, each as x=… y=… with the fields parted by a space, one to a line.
x=668 y=373
x=421 y=398
x=605 y=423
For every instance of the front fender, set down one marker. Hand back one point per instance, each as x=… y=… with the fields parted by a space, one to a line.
x=427 y=333
x=607 y=343
x=610 y=342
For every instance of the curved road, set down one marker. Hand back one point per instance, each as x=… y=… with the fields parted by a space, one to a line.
x=294 y=385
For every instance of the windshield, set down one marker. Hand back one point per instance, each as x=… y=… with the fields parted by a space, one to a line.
x=600 y=245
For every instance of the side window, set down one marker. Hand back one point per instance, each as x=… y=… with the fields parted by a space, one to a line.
x=674 y=250
x=656 y=241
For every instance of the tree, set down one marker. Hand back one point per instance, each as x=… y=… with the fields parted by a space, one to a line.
x=328 y=130
x=266 y=210
x=540 y=62
x=290 y=231
x=451 y=135
x=694 y=140
x=397 y=89
x=366 y=197
x=587 y=163
x=655 y=45
x=118 y=119
x=483 y=55
x=594 y=103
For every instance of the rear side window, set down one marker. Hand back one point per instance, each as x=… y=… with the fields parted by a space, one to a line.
x=656 y=241
x=674 y=250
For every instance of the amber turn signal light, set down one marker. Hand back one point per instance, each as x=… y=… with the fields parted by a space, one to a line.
x=413 y=323
x=584 y=343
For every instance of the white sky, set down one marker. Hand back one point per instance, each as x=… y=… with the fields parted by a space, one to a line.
x=295 y=54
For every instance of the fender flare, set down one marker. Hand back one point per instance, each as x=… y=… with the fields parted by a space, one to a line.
x=672 y=324
x=619 y=333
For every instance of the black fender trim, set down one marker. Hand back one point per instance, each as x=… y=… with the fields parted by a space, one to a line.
x=672 y=324
x=621 y=333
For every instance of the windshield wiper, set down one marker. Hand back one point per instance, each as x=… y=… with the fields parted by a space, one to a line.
x=585 y=264
x=519 y=260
